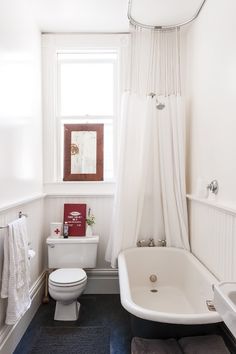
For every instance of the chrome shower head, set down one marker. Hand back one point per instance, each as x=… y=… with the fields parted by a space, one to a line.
x=160 y=105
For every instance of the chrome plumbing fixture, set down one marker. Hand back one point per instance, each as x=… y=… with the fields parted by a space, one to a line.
x=162 y=243
x=141 y=243
x=213 y=186
x=153 y=278
x=151 y=242
x=152 y=94
x=210 y=305
x=160 y=105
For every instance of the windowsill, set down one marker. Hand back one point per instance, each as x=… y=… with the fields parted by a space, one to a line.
x=83 y=188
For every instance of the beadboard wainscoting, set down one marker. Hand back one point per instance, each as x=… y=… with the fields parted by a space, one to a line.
x=11 y=335
x=213 y=236
x=34 y=208
x=101 y=207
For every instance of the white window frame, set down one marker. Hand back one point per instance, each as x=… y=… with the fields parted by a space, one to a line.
x=51 y=45
x=85 y=118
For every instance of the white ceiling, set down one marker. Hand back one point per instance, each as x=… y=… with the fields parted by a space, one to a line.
x=108 y=15
x=81 y=15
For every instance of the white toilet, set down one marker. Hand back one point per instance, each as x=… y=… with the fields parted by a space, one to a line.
x=68 y=281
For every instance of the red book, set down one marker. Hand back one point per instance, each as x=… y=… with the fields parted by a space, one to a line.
x=75 y=216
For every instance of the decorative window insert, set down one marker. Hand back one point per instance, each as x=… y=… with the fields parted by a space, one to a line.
x=83 y=152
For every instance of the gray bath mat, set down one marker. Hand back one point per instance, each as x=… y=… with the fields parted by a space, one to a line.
x=210 y=344
x=154 y=346
x=72 y=340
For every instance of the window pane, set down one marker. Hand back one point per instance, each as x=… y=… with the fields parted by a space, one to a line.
x=86 y=88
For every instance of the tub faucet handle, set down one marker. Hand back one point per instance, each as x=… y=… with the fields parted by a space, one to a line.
x=162 y=243
x=141 y=243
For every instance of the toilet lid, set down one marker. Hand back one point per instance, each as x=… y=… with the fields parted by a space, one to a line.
x=67 y=276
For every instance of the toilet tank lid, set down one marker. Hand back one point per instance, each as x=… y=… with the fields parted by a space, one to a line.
x=73 y=239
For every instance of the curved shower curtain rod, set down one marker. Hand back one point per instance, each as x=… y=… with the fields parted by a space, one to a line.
x=136 y=23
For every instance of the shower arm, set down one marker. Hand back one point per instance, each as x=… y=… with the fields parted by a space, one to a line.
x=136 y=23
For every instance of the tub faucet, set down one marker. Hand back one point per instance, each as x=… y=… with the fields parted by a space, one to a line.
x=151 y=243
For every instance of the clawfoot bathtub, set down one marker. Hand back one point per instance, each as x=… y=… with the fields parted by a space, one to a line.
x=169 y=288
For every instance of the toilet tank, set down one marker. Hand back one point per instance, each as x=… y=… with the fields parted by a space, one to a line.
x=72 y=252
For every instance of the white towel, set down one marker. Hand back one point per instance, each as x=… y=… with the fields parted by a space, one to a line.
x=16 y=271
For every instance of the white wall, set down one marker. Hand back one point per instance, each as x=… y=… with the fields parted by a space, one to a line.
x=211 y=97
x=20 y=131
x=210 y=90
x=101 y=207
x=20 y=103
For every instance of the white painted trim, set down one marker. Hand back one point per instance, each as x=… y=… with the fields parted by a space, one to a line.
x=10 y=336
x=80 y=188
x=86 y=40
x=68 y=195
x=102 y=272
x=60 y=194
x=22 y=201
x=228 y=208
x=102 y=281
x=51 y=44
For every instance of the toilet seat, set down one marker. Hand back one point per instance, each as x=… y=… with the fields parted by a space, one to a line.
x=66 y=277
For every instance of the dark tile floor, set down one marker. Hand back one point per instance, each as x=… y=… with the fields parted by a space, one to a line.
x=96 y=310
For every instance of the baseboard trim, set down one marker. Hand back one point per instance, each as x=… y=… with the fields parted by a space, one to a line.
x=102 y=281
x=10 y=336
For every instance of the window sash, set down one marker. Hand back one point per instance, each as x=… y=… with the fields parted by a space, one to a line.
x=106 y=119
x=115 y=83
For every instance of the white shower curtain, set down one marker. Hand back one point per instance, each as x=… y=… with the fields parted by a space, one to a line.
x=150 y=191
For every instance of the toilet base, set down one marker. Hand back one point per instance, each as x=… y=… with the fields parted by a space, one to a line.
x=67 y=312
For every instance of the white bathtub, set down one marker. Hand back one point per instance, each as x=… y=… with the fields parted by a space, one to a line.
x=183 y=286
